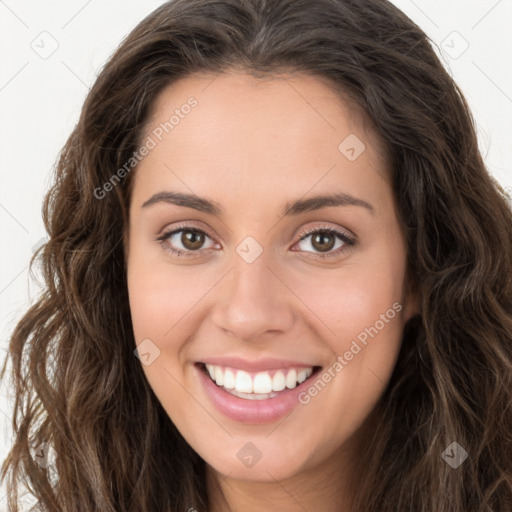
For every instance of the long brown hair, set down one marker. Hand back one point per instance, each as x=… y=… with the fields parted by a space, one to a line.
x=78 y=385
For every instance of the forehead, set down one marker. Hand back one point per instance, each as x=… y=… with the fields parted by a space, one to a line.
x=257 y=135
x=232 y=95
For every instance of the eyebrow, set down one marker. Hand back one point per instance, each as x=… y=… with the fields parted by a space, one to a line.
x=291 y=208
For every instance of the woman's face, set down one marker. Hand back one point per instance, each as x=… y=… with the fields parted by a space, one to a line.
x=256 y=297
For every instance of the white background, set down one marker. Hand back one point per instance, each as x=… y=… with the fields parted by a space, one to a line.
x=41 y=96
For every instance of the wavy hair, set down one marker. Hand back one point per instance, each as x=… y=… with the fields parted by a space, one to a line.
x=77 y=385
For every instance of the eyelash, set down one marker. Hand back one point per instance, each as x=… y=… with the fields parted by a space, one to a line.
x=346 y=239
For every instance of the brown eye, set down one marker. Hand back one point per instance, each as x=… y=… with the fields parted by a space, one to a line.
x=185 y=241
x=192 y=240
x=324 y=240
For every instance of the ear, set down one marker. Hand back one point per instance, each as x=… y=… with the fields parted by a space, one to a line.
x=411 y=306
x=412 y=300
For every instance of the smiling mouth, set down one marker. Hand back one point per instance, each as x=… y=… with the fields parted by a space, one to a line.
x=261 y=385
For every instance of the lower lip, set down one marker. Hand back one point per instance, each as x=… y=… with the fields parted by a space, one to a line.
x=252 y=411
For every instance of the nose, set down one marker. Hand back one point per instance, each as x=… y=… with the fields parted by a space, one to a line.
x=253 y=301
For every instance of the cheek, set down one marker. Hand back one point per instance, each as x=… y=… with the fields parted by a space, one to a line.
x=160 y=295
x=351 y=299
x=357 y=312
x=364 y=347
x=160 y=300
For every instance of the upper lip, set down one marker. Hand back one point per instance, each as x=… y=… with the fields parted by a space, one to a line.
x=256 y=365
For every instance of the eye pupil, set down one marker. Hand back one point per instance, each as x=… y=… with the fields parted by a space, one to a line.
x=192 y=239
x=318 y=241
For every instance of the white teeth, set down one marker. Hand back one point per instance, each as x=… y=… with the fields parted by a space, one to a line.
x=219 y=376
x=243 y=382
x=302 y=376
x=229 y=379
x=278 y=381
x=252 y=396
x=262 y=385
x=291 y=379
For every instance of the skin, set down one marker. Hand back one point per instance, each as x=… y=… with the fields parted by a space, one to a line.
x=252 y=145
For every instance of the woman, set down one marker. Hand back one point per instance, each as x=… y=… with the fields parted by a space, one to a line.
x=333 y=328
